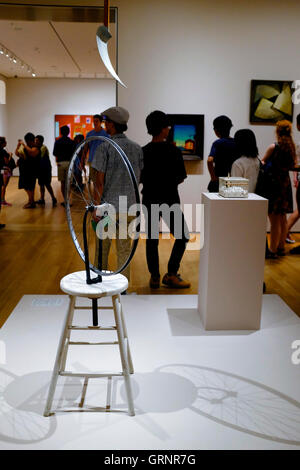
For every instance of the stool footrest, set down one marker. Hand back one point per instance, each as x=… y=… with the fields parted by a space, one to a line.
x=83 y=343
x=90 y=308
x=91 y=376
x=92 y=328
x=85 y=409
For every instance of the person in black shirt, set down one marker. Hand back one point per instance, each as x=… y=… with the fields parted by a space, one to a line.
x=63 y=150
x=162 y=173
x=222 y=154
x=44 y=172
x=3 y=154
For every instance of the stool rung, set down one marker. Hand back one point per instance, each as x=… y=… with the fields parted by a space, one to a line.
x=90 y=308
x=82 y=343
x=86 y=409
x=90 y=376
x=92 y=328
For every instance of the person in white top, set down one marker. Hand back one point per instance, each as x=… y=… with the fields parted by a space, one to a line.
x=247 y=165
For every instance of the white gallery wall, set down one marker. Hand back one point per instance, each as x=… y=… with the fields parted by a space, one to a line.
x=33 y=103
x=194 y=56
x=199 y=57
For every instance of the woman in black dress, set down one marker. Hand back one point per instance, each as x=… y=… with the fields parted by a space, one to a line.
x=28 y=163
x=44 y=172
x=281 y=157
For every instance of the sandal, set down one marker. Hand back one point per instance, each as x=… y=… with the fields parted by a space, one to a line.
x=271 y=255
x=29 y=205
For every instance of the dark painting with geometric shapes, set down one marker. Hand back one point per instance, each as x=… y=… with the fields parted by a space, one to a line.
x=271 y=101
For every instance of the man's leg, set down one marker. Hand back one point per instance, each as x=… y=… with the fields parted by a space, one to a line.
x=42 y=191
x=152 y=256
x=179 y=230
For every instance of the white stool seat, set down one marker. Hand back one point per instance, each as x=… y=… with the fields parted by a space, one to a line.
x=75 y=284
x=111 y=286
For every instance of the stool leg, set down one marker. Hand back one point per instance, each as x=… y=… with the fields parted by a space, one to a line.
x=123 y=354
x=68 y=334
x=59 y=357
x=131 y=369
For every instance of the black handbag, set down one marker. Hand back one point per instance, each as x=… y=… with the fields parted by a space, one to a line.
x=265 y=180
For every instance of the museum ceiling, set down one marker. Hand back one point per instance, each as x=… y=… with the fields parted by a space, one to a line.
x=53 y=43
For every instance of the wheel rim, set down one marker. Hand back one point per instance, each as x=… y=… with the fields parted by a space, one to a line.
x=82 y=198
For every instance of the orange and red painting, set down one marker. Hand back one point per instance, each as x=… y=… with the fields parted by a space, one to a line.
x=77 y=123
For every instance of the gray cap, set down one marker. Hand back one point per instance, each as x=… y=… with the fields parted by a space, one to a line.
x=116 y=114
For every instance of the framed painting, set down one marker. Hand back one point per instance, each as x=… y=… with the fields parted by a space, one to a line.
x=77 y=123
x=187 y=133
x=270 y=101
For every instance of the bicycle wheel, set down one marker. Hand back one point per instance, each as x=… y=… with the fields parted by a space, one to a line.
x=110 y=243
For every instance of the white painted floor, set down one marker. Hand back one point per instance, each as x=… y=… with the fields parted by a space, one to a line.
x=192 y=389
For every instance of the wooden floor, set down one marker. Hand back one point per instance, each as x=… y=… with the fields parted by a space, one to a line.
x=37 y=251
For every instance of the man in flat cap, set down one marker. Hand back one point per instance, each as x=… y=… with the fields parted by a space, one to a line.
x=112 y=177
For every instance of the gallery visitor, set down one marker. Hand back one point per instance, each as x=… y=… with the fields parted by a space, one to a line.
x=2 y=155
x=7 y=166
x=28 y=163
x=63 y=150
x=222 y=153
x=294 y=217
x=44 y=172
x=79 y=165
x=90 y=147
x=162 y=173
x=112 y=179
x=247 y=163
x=281 y=158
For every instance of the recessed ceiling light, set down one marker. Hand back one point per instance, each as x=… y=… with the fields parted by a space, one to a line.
x=15 y=59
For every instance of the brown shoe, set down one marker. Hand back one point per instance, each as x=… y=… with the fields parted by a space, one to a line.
x=175 y=281
x=154 y=282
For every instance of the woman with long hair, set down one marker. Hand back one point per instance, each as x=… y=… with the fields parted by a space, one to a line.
x=282 y=157
x=247 y=165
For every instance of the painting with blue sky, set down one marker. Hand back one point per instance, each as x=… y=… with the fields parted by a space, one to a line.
x=184 y=133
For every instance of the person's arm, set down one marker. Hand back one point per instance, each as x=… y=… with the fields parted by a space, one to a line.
x=32 y=151
x=211 y=168
x=211 y=163
x=85 y=153
x=295 y=179
x=268 y=153
x=99 y=187
x=55 y=151
x=98 y=191
x=17 y=151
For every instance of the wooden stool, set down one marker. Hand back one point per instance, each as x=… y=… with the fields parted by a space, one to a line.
x=75 y=285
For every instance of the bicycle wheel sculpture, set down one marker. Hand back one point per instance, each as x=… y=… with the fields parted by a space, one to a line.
x=107 y=245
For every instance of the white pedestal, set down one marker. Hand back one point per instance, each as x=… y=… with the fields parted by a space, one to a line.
x=232 y=262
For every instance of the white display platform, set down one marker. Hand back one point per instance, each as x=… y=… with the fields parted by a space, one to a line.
x=193 y=389
x=232 y=262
